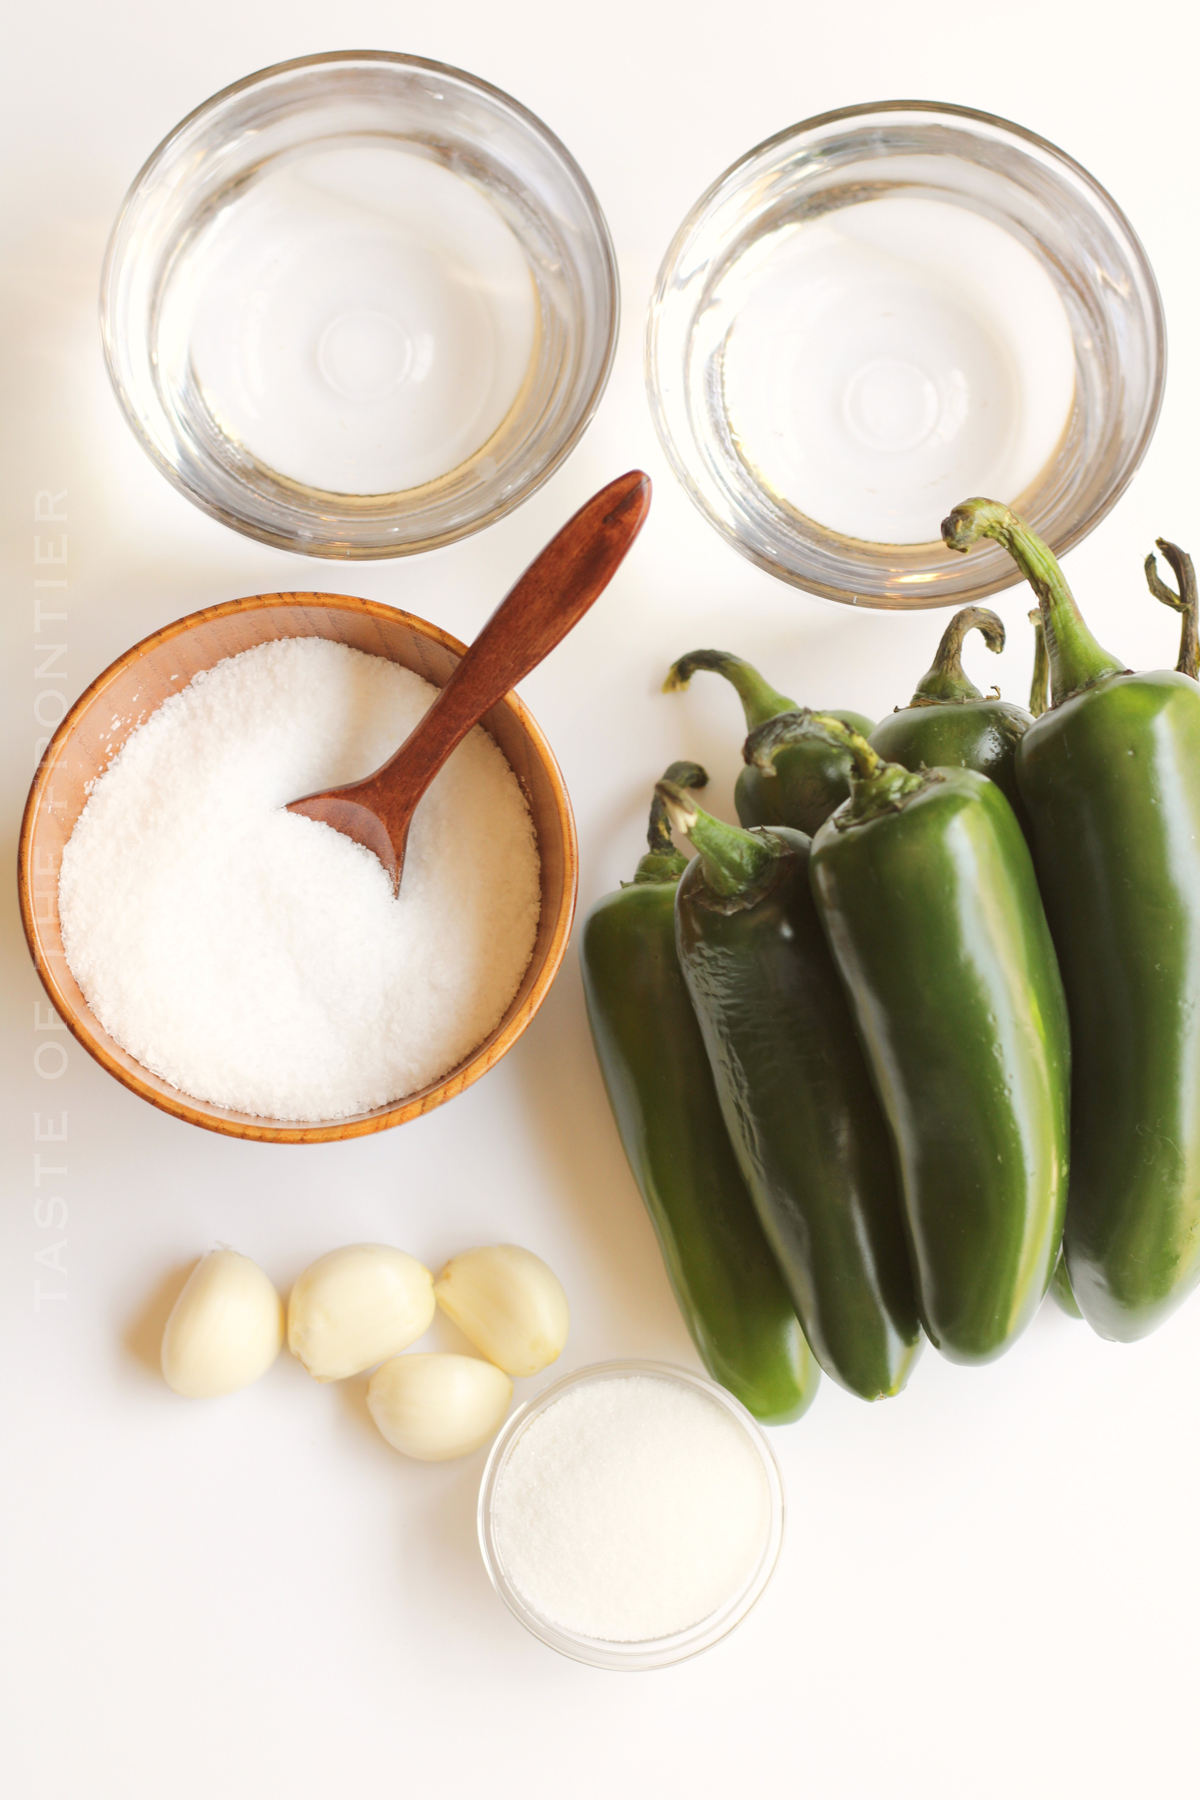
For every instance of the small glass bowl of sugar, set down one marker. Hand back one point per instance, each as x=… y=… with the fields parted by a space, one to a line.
x=883 y=311
x=631 y=1515
x=359 y=304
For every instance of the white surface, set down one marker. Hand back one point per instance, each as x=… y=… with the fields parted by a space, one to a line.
x=989 y=1586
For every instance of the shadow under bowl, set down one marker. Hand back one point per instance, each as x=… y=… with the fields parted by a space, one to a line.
x=120 y=699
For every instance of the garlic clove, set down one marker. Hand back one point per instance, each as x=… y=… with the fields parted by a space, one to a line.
x=435 y=1406
x=508 y=1303
x=225 y=1329
x=356 y=1307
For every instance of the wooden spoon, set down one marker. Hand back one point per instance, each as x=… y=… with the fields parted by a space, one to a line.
x=552 y=596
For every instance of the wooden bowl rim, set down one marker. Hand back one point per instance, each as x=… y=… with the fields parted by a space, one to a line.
x=182 y=1106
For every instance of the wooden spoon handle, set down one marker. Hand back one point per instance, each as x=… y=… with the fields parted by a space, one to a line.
x=549 y=599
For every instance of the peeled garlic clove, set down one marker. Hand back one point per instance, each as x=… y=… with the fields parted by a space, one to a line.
x=435 y=1406
x=357 y=1306
x=225 y=1329
x=510 y=1305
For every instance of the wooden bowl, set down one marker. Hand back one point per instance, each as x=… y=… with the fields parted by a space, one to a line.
x=99 y=723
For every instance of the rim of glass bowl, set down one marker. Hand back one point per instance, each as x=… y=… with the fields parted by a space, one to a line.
x=651 y=1653
x=786 y=543
x=255 y=501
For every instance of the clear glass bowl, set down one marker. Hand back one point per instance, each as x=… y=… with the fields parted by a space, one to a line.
x=607 y=1653
x=729 y=263
x=359 y=304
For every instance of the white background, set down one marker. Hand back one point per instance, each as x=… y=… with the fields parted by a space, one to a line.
x=989 y=1585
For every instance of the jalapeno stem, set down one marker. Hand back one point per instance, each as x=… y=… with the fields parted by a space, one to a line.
x=732 y=860
x=759 y=699
x=663 y=862
x=1183 y=602
x=801 y=722
x=947 y=680
x=875 y=786
x=1076 y=659
x=1039 y=687
x=680 y=774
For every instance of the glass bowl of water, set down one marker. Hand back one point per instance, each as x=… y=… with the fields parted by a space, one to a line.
x=884 y=311
x=359 y=304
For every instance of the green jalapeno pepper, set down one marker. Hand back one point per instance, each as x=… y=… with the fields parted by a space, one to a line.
x=1111 y=779
x=1060 y=1288
x=926 y=889
x=651 y=1054
x=949 y=723
x=1039 y=702
x=796 y=1095
x=810 y=779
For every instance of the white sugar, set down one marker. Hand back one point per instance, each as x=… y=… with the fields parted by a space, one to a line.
x=632 y=1508
x=256 y=959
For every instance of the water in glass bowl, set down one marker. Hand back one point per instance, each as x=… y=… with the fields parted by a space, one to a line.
x=360 y=319
x=883 y=361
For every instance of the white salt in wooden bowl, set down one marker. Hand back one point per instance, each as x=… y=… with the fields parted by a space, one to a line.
x=119 y=700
